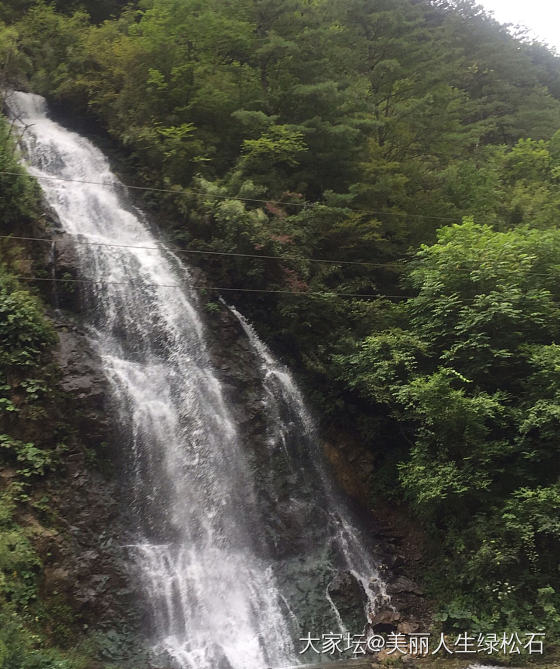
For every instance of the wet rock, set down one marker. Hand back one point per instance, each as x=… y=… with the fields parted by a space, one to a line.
x=384 y=621
x=86 y=390
x=350 y=599
x=64 y=266
x=86 y=569
x=351 y=464
x=66 y=255
x=80 y=366
x=404 y=585
x=57 y=580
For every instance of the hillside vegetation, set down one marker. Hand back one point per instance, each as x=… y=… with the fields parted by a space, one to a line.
x=416 y=146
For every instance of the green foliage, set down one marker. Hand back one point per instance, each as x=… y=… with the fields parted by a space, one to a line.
x=19 y=563
x=278 y=148
x=213 y=307
x=24 y=333
x=22 y=649
x=33 y=460
x=19 y=192
x=473 y=375
x=329 y=96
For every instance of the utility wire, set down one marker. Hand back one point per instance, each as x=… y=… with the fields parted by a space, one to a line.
x=175 y=249
x=202 y=287
x=230 y=197
x=232 y=290
x=164 y=246
x=393 y=265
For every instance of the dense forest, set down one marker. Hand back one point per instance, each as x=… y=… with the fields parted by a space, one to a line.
x=375 y=183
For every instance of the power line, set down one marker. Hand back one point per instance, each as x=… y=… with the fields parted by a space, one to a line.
x=164 y=246
x=230 y=197
x=202 y=287
x=197 y=251
x=394 y=265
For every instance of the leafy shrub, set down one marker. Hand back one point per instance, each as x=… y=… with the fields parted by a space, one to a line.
x=470 y=373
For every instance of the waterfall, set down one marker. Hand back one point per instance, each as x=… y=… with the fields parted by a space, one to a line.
x=212 y=514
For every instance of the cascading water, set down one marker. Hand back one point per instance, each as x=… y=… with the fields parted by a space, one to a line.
x=293 y=433
x=231 y=540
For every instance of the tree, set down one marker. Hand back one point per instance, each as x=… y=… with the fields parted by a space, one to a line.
x=470 y=372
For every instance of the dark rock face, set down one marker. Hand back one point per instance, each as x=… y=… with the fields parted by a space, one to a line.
x=238 y=366
x=80 y=366
x=402 y=543
x=402 y=585
x=385 y=621
x=64 y=266
x=86 y=562
x=350 y=599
